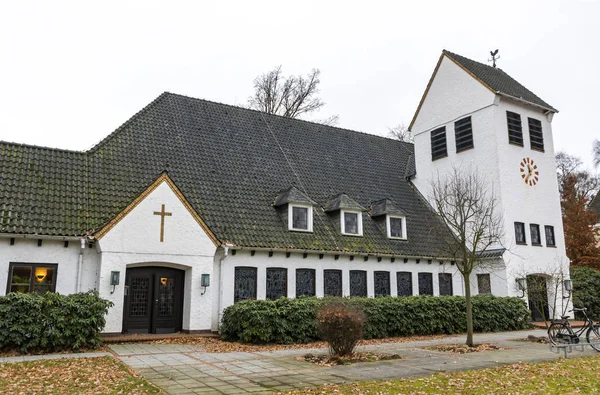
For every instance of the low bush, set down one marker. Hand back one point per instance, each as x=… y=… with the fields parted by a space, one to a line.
x=52 y=321
x=586 y=291
x=293 y=320
x=341 y=326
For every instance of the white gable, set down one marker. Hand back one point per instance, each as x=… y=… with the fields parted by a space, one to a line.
x=139 y=231
x=452 y=94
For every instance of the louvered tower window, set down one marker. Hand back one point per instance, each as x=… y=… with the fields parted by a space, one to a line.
x=535 y=134
x=438 y=144
x=515 y=130
x=463 y=132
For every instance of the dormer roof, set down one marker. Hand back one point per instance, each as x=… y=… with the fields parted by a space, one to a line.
x=342 y=201
x=385 y=206
x=292 y=195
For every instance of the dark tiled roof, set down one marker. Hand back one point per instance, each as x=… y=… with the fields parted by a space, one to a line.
x=342 y=201
x=292 y=195
x=499 y=81
x=492 y=253
x=385 y=206
x=230 y=163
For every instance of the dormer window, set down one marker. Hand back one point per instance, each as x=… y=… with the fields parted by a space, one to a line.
x=395 y=218
x=351 y=223
x=396 y=227
x=300 y=217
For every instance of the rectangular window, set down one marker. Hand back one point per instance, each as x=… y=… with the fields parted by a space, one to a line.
x=244 y=283
x=358 y=283
x=31 y=277
x=425 y=284
x=332 y=282
x=536 y=137
x=300 y=218
x=549 y=236
x=305 y=282
x=515 y=129
x=276 y=283
x=463 y=133
x=484 y=285
x=382 y=283
x=396 y=227
x=520 y=233
x=445 y=280
x=404 y=283
x=351 y=223
x=535 y=234
x=438 y=144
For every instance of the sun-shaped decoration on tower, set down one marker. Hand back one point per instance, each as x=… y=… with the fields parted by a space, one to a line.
x=529 y=172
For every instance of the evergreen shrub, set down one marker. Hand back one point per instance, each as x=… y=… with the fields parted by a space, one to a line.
x=52 y=321
x=286 y=321
x=586 y=291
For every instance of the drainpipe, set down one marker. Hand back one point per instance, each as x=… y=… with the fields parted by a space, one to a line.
x=225 y=253
x=80 y=264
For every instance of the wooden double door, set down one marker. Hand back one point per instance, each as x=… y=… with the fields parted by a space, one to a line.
x=153 y=300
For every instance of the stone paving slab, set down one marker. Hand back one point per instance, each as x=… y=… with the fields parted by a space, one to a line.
x=181 y=369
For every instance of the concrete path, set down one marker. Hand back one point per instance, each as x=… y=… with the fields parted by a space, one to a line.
x=185 y=369
x=24 y=358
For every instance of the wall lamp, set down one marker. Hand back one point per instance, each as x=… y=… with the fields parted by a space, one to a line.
x=114 y=280
x=522 y=286
x=568 y=286
x=204 y=282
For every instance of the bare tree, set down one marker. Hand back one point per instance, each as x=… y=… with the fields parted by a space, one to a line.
x=401 y=132
x=567 y=166
x=290 y=97
x=596 y=152
x=469 y=208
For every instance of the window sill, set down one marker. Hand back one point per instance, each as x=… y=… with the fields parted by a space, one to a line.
x=536 y=245
x=352 y=234
x=551 y=246
x=301 y=230
x=397 y=238
x=521 y=244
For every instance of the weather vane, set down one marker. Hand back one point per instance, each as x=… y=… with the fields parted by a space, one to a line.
x=494 y=57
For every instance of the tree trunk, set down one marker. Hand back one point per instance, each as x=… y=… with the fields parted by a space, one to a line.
x=467 y=278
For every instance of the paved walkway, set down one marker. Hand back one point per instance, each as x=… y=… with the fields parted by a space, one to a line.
x=186 y=369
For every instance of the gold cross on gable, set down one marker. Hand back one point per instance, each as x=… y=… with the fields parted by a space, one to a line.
x=162 y=214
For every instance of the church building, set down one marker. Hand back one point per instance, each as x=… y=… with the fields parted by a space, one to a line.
x=191 y=206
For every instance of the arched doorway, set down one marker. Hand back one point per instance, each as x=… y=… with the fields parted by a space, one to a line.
x=153 y=300
x=537 y=294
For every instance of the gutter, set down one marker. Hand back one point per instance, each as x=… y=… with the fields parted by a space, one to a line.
x=80 y=265
x=225 y=254
x=36 y=236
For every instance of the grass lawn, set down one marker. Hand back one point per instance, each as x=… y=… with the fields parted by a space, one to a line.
x=101 y=375
x=565 y=376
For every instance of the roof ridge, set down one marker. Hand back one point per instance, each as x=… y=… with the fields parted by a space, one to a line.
x=282 y=117
x=127 y=122
x=2 y=142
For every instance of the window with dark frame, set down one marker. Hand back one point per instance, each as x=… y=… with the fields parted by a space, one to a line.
x=305 y=282
x=515 y=129
x=404 y=283
x=463 y=134
x=425 y=283
x=276 y=283
x=300 y=218
x=31 y=278
x=445 y=283
x=549 y=236
x=520 y=233
x=536 y=136
x=244 y=283
x=358 y=283
x=534 y=229
x=382 y=283
x=332 y=282
x=484 y=285
x=438 y=143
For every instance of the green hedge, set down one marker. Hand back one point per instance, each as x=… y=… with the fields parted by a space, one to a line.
x=586 y=290
x=288 y=321
x=52 y=321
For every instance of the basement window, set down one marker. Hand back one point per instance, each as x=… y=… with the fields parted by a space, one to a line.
x=438 y=144
x=300 y=218
x=536 y=136
x=463 y=133
x=31 y=278
x=515 y=130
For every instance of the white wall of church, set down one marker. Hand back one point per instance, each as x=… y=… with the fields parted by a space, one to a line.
x=135 y=241
x=26 y=250
x=262 y=261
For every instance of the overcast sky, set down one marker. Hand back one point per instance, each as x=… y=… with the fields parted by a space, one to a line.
x=72 y=72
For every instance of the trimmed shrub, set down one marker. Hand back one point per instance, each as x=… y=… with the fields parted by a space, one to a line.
x=586 y=291
x=293 y=320
x=52 y=321
x=341 y=326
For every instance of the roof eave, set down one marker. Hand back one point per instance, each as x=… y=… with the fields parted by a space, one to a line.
x=544 y=108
